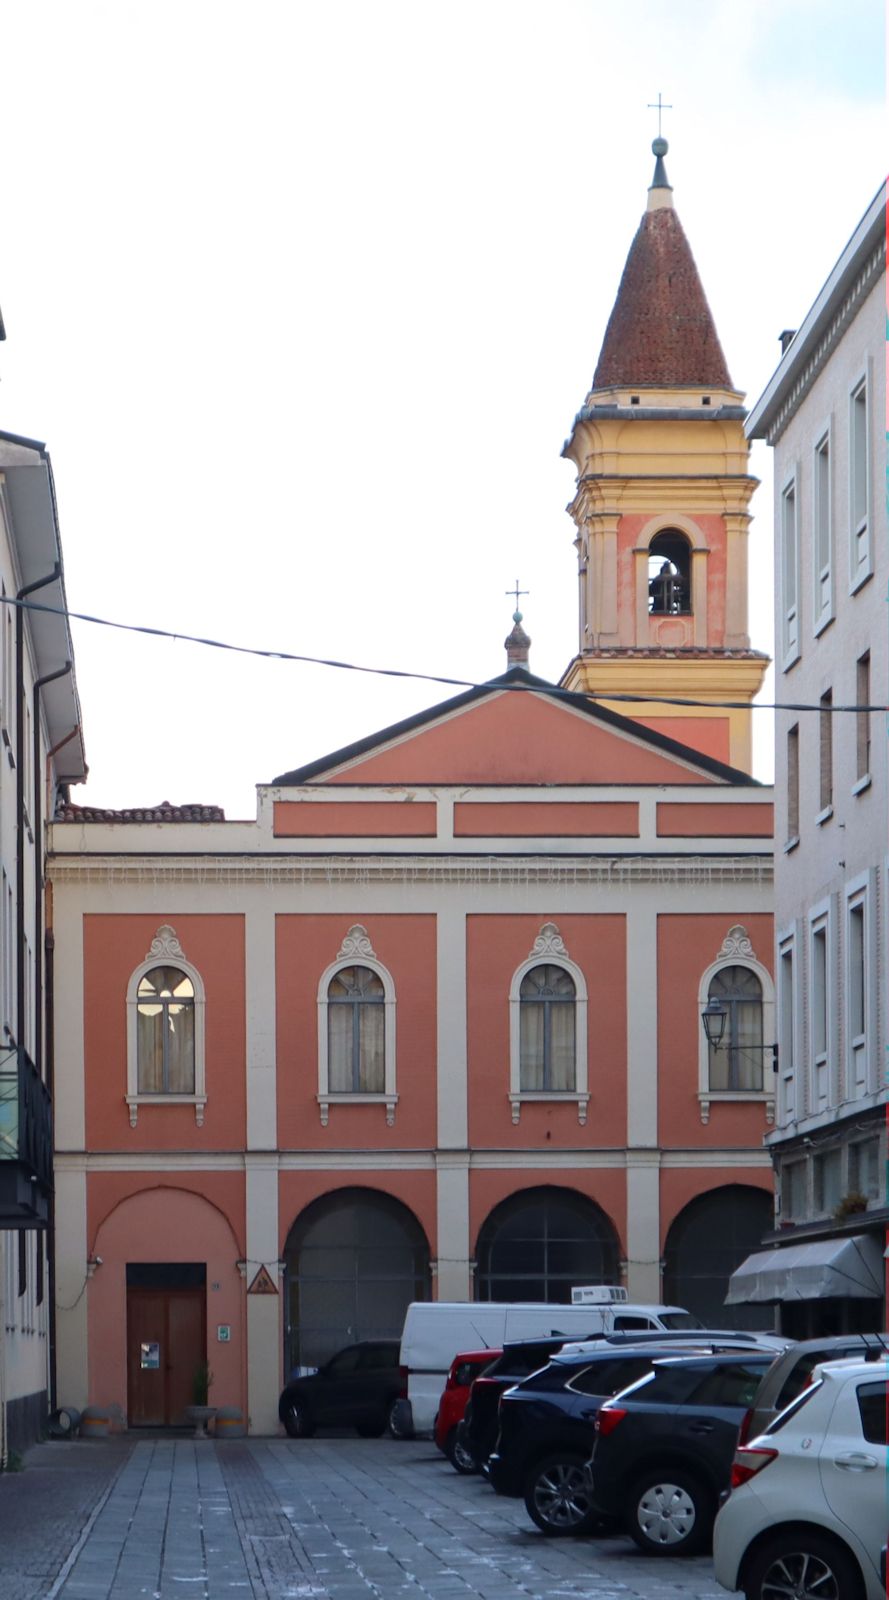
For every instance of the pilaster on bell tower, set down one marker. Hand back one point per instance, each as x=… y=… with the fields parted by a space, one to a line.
x=661 y=506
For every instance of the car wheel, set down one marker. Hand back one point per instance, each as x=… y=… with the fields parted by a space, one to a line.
x=805 y=1564
x=669 y=1513
x=461 y=1458
x=557 y=1496
x=397 y=1422
x=297 y=1420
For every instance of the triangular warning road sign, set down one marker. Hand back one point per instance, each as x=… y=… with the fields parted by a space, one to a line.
x=263 y=1283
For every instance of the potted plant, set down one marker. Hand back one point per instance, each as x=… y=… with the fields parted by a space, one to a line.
x=850 y=1205
x=200 y=1412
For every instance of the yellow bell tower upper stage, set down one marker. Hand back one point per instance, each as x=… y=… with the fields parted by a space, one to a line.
x=661 y=507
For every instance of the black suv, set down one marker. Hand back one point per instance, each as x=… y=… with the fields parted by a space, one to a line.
x=356 y=1388
x=546 y=1423
x=664 y=1447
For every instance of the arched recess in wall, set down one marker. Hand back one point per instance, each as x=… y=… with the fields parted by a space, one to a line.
x=163 y=1279
x=540 y=1243
x=706 y=1242
x=355 y=1259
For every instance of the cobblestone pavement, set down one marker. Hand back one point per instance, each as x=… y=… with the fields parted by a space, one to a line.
x=319 y=1519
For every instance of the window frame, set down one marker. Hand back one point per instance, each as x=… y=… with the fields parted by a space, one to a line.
x=790 y=632
x=737 y=951
x=821 y=1065
x=549 y=950
x=166 y=950
x=788 y=1021
x=823 y=585
x=860 y=528
x=357 y=951
x=863 y=725
x=861 y=899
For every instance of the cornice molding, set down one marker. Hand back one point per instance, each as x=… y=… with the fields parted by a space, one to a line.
x=873 y=268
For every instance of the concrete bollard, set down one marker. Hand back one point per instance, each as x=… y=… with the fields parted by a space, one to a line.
x=229 y=1423
x=95 y=1422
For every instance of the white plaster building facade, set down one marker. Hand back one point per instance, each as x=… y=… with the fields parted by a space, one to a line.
x=41 y=749
x=823 y=412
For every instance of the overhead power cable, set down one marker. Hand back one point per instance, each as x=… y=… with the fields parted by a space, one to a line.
x=577 y=696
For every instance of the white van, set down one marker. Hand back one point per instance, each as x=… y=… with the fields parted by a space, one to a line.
x=435 y=1331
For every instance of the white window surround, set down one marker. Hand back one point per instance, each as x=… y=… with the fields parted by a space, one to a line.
x=861 y=561
x=789 y=632
x=167 y=951
x=823 y=605
x=549 y=949
x=821 y=1063
x=737 y=951
x=860 y=1052
x=356 y=950
x=788 y=1026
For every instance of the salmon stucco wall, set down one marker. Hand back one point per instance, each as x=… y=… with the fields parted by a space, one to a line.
x=163 y=1222
x=518 y=738
x=496 y=947
x=305 y=947
x=687 y=946
x=113 y=947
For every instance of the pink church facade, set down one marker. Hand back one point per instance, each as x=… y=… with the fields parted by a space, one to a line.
x=430 y=1025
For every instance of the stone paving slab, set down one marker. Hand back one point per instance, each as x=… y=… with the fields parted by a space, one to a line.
x=44 y=1509
x=313 y=1519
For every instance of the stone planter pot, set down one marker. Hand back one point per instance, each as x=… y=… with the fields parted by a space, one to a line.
x=200 y=1416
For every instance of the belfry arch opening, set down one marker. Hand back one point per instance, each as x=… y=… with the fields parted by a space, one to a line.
x=669 y=574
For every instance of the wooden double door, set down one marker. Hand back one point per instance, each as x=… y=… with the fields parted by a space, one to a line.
x=166 y=1343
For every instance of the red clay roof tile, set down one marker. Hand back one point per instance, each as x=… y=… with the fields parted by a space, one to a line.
x=661 y=332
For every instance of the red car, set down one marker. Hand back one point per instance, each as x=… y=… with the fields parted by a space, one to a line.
x=465 y=1368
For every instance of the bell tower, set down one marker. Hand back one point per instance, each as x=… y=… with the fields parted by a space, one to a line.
x=661 y=505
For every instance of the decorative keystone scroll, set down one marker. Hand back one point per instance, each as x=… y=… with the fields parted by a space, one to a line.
x=736 y=943
x=549 y=942
x=165 y=945
x=356 y=945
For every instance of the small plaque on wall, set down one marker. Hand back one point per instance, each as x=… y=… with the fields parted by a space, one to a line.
x=223 y=1333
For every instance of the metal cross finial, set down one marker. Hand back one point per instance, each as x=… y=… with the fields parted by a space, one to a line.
x=517 y=591
x=660 y=107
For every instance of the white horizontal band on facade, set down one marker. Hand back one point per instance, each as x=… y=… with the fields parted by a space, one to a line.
x=360 y=872
x=519 y=1161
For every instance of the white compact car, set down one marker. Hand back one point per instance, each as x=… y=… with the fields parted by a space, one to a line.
x=806 y=1517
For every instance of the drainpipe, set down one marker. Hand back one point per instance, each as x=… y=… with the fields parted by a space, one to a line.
x=46 y=1067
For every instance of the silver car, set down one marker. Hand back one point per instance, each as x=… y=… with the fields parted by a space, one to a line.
x=807 y=1512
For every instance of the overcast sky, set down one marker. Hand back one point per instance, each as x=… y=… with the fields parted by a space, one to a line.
x=303 y=298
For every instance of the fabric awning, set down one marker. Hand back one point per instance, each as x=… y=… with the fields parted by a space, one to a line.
x=846 y=1268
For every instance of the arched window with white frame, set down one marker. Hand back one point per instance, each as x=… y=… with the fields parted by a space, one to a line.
x=740 y=1065
x=548 y=1033
x=356 y=1029
x=165 y=1030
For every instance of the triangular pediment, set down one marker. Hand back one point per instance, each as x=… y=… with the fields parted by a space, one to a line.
x=516 y=730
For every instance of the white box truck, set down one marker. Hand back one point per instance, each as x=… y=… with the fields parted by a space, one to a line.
x=435 y=1331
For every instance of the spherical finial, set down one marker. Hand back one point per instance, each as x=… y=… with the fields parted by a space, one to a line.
x=659 y=147
x=517 y=616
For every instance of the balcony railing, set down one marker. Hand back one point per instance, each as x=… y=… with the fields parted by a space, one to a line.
x=25 y=1142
